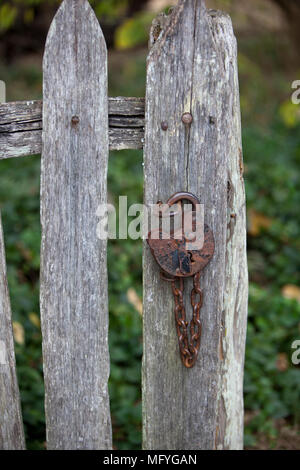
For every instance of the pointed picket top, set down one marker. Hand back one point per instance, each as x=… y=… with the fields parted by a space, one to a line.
x=74 y=307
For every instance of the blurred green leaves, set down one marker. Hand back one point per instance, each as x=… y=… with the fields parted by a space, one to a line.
x=134 y=31
x=8 y=15
x=272 y=171
x=290 y=113
x=129 y=31
x=272 y=382
x=23 y=11
x=110 y=9
x=125 y=177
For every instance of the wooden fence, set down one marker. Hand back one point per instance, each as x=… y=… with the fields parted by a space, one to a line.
x=191 y=67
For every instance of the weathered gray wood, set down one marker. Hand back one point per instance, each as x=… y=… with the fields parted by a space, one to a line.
x=11 y=425
x=18 y=112
x=20 y=144
x=192 y=67
x=122 y=139
x=21 y=126
x=126 y=106
x=74 y=310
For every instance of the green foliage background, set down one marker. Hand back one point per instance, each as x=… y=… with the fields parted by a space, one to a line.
x=271 y=142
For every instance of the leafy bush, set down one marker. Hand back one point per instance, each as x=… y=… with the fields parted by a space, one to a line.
x=272 y=382
x=19 y=196
x=125 y=272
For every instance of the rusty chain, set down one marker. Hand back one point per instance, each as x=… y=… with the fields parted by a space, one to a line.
x=189 y=348
x=177 y=262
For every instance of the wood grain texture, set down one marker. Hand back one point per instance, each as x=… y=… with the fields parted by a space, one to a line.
x=21 y=126
x=126 y=106
x=74 y=307
x=192 y=67
x=11 y=424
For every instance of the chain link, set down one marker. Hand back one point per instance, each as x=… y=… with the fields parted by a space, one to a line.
x=189 y=348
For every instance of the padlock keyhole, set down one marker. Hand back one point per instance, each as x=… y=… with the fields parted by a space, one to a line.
x=191 y=256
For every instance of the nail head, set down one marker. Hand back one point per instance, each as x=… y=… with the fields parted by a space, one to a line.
x=187 y=118
x=75 y=120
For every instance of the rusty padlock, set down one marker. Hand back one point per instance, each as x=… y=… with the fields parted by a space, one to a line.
x=180 y=257
x=171 y=253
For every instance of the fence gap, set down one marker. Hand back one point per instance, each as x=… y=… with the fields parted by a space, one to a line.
x=125 y=338
x=74 y=311
x=192 y=67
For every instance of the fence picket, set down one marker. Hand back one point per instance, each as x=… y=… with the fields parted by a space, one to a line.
x=74 y=310
x=192 y=67
x=11 y=424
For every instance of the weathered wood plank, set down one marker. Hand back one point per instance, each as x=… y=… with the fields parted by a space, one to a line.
x=192 y=67
x=20 y=144
x=74 y=306
x=127 y=123
x=126 y=106
x=21 y=126
x=122 y=139
x=11 y=424
x=30 y=111
x=23 y=144
x=20 y=111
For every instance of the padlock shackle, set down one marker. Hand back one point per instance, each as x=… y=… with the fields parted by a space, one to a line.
x=182 y=195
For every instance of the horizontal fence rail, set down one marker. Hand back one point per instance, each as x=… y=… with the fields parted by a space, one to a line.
x=21 y=126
